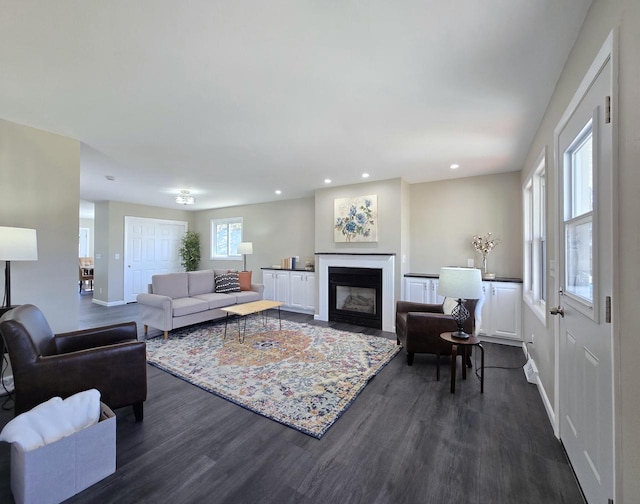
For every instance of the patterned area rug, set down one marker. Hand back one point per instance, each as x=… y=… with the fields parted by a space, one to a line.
x=303 y=376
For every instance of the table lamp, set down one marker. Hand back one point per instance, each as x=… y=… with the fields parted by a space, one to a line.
x=460 y=284
x=245 y=248
x=16 y=244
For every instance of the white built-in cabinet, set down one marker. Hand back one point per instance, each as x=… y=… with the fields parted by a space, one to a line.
x=296 y=289
x=422 y=290
x=501 y=311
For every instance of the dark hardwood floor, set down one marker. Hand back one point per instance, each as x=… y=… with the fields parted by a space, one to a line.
x=405 y=439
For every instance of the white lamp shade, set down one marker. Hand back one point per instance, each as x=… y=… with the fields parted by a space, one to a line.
x=460 y=283
x=245 y=248
x=18 y=244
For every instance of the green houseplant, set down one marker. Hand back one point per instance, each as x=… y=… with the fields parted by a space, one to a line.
x=190 y=250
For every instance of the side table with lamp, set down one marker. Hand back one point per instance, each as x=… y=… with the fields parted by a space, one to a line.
x=461 y=284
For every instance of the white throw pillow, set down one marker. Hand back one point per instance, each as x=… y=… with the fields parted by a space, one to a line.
x=448 y=305
x=52 y=420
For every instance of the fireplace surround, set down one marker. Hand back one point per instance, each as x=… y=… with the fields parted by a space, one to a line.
x=383 y=262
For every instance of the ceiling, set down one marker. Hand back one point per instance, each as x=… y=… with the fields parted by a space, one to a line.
x=234 y=100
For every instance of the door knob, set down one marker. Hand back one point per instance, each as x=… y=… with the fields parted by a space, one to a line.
x=557 y=310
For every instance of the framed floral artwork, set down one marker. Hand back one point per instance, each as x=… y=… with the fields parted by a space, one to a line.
x=356 y=219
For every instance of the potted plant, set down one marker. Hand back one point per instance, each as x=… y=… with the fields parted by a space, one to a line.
x=190 y=250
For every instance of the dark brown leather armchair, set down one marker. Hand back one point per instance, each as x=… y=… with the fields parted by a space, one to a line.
x=419 y=325
x=46 y=365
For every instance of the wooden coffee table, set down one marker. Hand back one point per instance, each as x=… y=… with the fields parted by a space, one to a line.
x=245 y=309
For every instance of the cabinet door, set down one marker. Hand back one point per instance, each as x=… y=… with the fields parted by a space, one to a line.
x=282 y=287
x=269 y=282
x=505 y=309
x=435 y=297
x=297 y=298
x=416 y=290
x=310 y=289
x=485 y=324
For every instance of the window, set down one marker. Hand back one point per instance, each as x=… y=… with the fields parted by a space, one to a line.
x=578 y=217
x=535 y=239
x=226 y=235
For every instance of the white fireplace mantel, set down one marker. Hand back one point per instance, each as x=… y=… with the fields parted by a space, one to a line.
x=385 y=262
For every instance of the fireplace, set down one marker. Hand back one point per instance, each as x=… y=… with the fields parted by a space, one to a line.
x=382 y=261
x=355 y=296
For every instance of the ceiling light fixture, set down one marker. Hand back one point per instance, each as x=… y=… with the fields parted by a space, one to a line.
x=278 y=191
x=365 y=175
x=454 y=166
x=185 y=198
x=327 y=181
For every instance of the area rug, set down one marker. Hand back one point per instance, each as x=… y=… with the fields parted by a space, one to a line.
x=303 y=376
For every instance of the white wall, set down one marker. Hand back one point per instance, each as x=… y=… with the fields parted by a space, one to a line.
x=39 y=188
x=390 y=213
x=108 y=283
x=604 y=16
x=277 y=230
x=445 y=215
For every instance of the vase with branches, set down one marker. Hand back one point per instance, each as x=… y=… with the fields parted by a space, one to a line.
x=484 y=245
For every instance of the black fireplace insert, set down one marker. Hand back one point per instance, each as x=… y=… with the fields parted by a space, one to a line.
x=355 y=296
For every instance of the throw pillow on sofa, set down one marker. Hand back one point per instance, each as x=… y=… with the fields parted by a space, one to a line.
x=227 y=282
x=245 y=280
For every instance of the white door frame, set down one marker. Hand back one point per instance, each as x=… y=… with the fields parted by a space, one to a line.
x=608 y=51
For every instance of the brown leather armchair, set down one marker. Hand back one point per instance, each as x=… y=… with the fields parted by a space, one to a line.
x=419 y=325
x=46 y=365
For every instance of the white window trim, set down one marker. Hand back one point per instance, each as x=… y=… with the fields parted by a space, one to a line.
x=213 y=224
x=534 y=232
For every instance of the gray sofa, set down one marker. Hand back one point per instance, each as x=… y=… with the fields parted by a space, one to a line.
x=181 y=299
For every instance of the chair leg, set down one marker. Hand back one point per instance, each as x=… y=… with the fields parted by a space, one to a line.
x=410 y=358
x=469 y=364
x=138 y=411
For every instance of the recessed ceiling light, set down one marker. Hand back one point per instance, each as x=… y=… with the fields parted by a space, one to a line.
x=278 y=191
x=327 y=181
x=365 y=175
x=454 y=166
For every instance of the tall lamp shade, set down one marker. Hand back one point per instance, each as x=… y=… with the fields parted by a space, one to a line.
x=16 y=244
x=460 y=284
x=245 y=248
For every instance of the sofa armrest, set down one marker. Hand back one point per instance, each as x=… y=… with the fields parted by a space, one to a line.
x=430 y=323
x=155 y=300
x=259 y=288
x=117 y=371
x=408 y=306
x=95 y=337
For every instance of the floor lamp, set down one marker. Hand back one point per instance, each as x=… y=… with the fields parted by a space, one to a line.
x=16 y=244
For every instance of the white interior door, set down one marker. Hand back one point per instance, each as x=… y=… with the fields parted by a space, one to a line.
x=151 y=247
x=584 y=279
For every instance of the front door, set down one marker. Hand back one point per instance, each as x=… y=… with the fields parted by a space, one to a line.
x=584 y=279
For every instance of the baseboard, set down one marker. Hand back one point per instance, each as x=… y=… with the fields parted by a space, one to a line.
x=499 y=340
x=543 y=393
x=105 y=303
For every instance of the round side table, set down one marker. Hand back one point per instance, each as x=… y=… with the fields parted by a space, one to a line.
x=463 y=344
